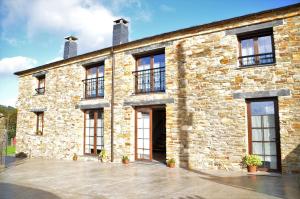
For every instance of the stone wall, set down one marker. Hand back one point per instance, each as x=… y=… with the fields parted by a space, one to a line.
x=206 y=126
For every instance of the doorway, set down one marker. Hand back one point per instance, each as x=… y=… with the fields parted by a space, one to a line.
x=150 y=133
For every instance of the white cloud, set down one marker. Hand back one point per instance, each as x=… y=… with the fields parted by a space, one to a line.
x=9 y=101
x=166 y=8
x=90 y=20
x=13 y=64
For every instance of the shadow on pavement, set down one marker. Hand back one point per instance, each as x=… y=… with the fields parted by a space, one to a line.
x=9 y=191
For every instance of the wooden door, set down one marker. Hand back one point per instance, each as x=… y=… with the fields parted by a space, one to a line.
x=143 y=134
x=263 y=128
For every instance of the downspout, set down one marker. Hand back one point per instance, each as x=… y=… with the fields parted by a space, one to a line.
x=112 y=103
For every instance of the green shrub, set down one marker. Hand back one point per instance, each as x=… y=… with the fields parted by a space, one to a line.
x=252 y=160
x=170 y=161
x=125 y=157
x=103 y=154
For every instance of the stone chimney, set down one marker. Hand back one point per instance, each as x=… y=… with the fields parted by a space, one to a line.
x=70 y=47
x=120 y=32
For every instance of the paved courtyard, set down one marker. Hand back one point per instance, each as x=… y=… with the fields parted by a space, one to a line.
x=54 y=179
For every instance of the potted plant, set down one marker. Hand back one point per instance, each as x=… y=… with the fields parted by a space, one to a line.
x=39 y=133
x=252 y=161
x=125 y=159
x=103 y=155
x=171 y=163
x=75 y=157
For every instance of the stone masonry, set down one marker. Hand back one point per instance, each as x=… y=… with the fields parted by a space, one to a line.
x=206 y=126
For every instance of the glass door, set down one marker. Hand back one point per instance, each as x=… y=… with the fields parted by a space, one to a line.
x=144 y=134
x=264 y=132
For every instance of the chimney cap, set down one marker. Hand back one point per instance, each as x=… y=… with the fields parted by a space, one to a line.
x=71 y=38
x=121 y=20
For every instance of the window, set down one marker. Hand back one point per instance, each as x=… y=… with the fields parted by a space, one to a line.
x=150 y=74
x=94 y=131
x=94 y=82
x=41 y=85
x=263 y=127
x=39 y=123
x=257 y=49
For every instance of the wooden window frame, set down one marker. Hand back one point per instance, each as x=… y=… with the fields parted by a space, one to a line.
x=98 y=65
x=151 y=55
x=95 y=112
x=277 y=128
x=255 y=35
x=39 y=127
x=41 y=86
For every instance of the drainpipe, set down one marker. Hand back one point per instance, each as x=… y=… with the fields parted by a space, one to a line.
x=112 y=103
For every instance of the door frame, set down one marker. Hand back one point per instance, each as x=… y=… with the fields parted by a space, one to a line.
x=143 y=109
x=277 y=129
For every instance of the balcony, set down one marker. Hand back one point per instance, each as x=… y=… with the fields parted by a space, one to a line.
x=150 y=80
x=93 y=88
x=259 y=59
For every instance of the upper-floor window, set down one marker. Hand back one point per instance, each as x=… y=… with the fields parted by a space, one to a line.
x=150 y=74
x=40 y=90
x=94 y=82
x=257 y=49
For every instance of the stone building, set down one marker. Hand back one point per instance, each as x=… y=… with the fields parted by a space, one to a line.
x=205 y=95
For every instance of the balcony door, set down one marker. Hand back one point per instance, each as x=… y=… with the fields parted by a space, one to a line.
x=263 y=128
x=143 y=134
x=94 y=82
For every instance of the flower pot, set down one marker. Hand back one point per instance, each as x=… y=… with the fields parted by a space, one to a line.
x=125 y=161
x=171 y=165
x=75 y=157
x=251 y=169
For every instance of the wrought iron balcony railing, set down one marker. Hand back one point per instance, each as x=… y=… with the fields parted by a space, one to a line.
x=150 y=80
x=259 y=59
x=40 y=91
x=93 y=87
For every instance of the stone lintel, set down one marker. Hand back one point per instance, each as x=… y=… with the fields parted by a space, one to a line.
x=39 y=74
x=36 y=110
x=255 y=27
x=93 y=62
x=92 y=106
x=149 y=102
x=146 y=49
x=261 y=94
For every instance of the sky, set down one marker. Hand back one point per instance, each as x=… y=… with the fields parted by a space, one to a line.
x=32 y=31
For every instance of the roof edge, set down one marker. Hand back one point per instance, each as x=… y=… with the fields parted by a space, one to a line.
x=214 y=23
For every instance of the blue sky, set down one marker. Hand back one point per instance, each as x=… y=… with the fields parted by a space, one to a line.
x=32 y=32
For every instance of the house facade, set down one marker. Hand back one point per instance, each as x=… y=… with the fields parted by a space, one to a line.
x=205 y=96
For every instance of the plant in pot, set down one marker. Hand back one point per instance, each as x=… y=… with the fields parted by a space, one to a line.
x=125 y=159
x=39 y=133
x=103 y=155
x=75 y=157
x=171 y=163
x=252 y=161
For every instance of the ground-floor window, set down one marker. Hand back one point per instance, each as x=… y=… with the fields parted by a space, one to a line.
x=39 y=123
x=94 y=132
x=263 y=128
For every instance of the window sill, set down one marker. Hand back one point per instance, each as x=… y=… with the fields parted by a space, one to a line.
x=255 y=66
x=149 y=93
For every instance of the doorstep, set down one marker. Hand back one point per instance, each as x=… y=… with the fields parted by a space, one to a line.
x=265 y=173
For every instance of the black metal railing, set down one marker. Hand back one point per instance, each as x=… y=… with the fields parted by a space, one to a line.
x=40 y=91
x=93 y=87
x=259 y=59
x=150 y=80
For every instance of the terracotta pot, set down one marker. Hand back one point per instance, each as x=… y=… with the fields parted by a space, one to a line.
x=251 y=169
x=75 y=157
x=171 y=165
x=125 y=161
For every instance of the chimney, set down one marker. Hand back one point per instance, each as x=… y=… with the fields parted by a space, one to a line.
x=70 y=47
x=120 y=32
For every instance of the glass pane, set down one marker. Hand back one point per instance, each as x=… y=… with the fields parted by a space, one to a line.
x=159 y=61
x=92 y=73
x=91 y=140
x=269 y=134
x=87 y=140
x=270 y=148
x=99 y=141
x=262 y=108
x=146 y=133
x=270 y=162
x=140 y=133
x=99 y=131
x=140 y=143
x=269 y=121
x=264 y=44
x=247 y=47
x=256 y=121
x=146 y=152
x=140 y=151
x=144 y=63
x=257 y=135
x=146 y=144
x=101 y=71
x=140 y=123
x=257 y=148
x=146 y=118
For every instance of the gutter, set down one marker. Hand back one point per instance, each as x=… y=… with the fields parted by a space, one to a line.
x=112 y=104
